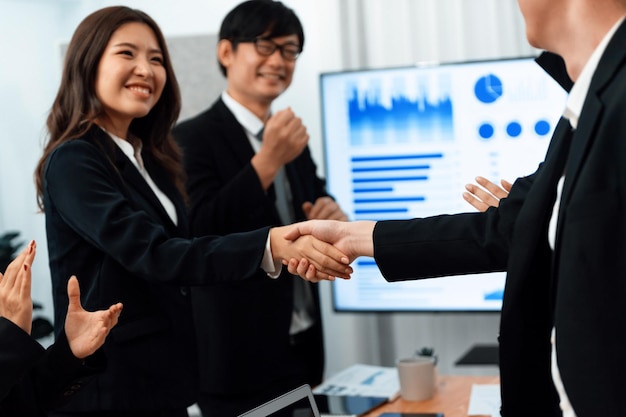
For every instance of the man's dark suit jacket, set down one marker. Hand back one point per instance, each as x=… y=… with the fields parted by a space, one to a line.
x=243 y=327
x=580 y=288
x=105 y=225
x=34 y=380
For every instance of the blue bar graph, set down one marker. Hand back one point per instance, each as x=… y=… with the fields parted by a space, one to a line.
x=388 y=202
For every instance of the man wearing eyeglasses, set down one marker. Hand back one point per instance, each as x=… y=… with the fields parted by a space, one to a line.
x=249 y=166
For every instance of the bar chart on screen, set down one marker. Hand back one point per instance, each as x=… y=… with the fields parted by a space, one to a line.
x=403 y=142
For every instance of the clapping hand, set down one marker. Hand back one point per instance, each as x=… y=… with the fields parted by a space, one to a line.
x=486 y=194
x=16 y=303
x=86 y=331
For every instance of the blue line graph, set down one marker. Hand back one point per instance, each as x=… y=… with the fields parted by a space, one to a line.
x=377 y=114
x=403 y=112
x=372 y=378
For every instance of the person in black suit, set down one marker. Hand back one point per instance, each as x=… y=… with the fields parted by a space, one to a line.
x=110 y=182
x=34 y=380
x=560 y=233
x=254 y=343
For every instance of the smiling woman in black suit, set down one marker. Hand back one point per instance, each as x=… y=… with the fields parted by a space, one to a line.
x=111 y=185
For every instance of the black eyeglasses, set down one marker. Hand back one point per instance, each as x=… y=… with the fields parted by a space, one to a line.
x=266 y=47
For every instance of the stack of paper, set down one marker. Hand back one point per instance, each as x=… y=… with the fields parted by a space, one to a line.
x=485 y=400
x=363 y=380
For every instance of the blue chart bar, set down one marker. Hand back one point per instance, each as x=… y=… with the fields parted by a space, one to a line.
x=366 y=262
x=394 y=168
x=388 y=179
x=495 y=295
x=384 y=198
x=372 y=190
x=387 y=200
x=379 y=211
x=395 y=157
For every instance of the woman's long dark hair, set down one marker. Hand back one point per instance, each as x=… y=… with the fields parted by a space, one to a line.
x=76 y=105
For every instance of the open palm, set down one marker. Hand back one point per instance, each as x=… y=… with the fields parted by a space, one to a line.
x=86 y=331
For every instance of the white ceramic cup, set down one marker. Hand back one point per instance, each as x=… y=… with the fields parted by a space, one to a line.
x=417 y=378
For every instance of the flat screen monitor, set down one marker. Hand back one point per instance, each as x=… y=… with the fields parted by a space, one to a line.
x=403 y=142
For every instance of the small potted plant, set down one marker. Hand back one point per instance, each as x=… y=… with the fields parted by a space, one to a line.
x=427 y=352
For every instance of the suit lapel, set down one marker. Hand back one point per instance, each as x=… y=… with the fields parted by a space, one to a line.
x=133 y=179
x=581 y=141
x=538 y=205
x=237 y=140
x=553 y=169
x=612 y=59
x=166 y=185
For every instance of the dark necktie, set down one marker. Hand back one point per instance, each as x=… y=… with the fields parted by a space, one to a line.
x=283 y=198
x=302 y=296
x=564 y=134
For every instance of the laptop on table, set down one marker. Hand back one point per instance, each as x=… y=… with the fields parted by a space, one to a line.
x=301 y=402
x=296 y=403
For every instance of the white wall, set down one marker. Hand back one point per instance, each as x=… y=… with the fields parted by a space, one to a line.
x=28 y=82
x=31 y=31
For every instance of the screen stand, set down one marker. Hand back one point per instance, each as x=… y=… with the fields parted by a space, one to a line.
x=479 y=355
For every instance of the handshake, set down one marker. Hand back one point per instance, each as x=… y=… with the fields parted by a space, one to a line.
x=324 y=249
x=319 y=250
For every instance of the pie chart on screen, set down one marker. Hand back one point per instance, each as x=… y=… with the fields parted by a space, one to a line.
x=488 y=88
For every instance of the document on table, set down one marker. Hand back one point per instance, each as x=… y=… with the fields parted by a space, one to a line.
x=485 y=400
x=362 y=380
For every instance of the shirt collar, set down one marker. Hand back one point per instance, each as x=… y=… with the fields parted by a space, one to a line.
x=245 y=117
x=133 y=154
x=577 y=96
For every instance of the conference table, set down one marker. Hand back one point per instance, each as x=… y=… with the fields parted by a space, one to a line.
x=451 y=397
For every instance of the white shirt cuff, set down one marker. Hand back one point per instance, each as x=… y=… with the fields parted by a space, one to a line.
x=271 y=267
